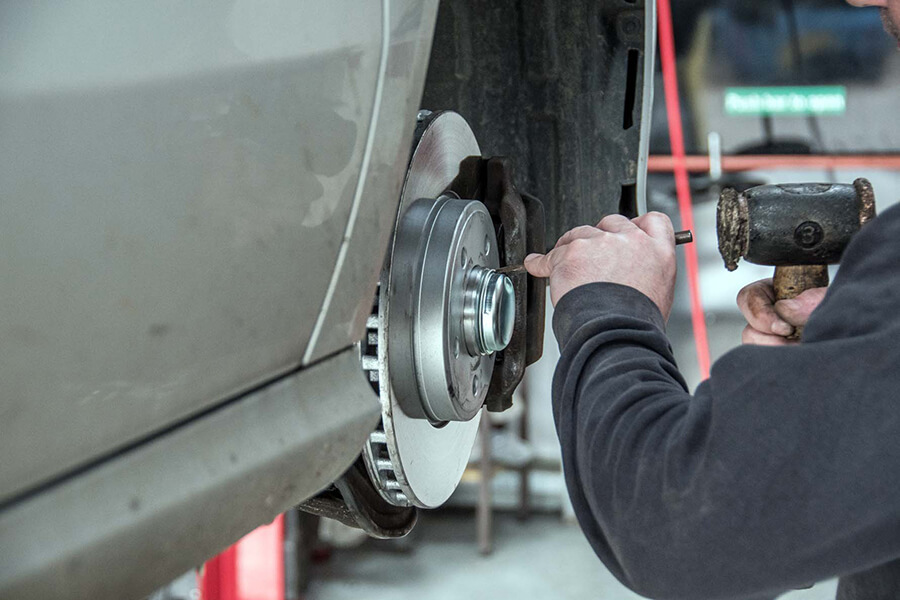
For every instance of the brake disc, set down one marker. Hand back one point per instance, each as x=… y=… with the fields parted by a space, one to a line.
x=441 y=313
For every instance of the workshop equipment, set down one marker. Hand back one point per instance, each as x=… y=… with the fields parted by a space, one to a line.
x=798 y=228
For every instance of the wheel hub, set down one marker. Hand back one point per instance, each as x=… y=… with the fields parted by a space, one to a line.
x=446 y=303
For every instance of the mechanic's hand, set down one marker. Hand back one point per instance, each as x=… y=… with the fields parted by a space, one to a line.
x=639 y=253
x=770 y=322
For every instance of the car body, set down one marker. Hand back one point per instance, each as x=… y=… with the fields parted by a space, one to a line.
x=195 y=212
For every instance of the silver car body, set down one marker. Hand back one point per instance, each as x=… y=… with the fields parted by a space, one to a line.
x=195 y=202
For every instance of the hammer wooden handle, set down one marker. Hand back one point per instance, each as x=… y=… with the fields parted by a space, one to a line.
x=790 y=282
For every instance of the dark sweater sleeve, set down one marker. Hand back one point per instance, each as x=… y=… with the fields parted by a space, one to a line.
x=781 y=470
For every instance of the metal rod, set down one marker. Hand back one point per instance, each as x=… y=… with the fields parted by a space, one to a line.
x=684 y=237
x=511 y=269
x=484 y=508
x=732 y=164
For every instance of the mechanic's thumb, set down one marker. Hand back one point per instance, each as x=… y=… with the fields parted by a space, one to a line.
x=538 y=265
x=797 y=310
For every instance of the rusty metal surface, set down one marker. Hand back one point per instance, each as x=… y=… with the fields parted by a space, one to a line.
x=559 y=88
x=731 y=223
x=354 y=501
x=866 y=195
x=684 y=237
x=519 y=219
x=535 y=242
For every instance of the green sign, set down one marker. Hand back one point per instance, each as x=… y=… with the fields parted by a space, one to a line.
x=810 y=100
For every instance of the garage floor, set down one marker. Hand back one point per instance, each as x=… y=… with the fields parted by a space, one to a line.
x=538 y=559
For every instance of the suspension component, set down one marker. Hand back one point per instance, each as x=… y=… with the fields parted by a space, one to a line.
x=448 y=333
x=519 y=220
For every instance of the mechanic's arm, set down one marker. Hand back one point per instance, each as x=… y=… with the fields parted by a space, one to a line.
x=772 y=475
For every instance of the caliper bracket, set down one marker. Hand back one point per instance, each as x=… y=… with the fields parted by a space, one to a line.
x=519 y=221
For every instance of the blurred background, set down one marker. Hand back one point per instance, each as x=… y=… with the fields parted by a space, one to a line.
x=509 y=532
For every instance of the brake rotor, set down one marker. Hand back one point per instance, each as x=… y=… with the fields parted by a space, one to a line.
x=430 y=349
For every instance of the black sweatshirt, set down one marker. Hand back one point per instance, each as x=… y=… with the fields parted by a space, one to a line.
x=783 y=469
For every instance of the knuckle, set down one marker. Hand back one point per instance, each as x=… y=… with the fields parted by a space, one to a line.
x=754 y=300
x=759 y=314
x=747 y=335
x=611 y=219
x=579 y=245
x=563 y=240
x=574 y=235
x=754 y=297
x=742 y=296
x=567 y=236
x=756 y=338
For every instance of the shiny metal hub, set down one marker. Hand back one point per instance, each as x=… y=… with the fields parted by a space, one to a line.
x=445 y=251
x=490 y=311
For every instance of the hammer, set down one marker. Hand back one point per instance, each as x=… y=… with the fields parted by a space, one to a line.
x=799 y=228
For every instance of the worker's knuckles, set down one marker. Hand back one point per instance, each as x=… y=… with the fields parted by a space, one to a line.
x=758 y=289
x=757 y=308
x=754 y=337
x=579 y=246
x=581 y=250
x=658 y=226
x=578 y=233
x=756 y=302
x=615 y=223
x=658 y=217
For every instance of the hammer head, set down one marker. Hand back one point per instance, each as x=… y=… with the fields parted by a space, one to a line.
x=792 y=224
